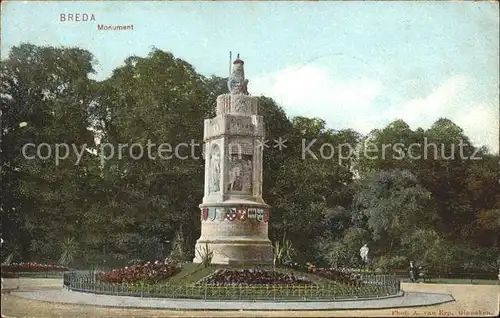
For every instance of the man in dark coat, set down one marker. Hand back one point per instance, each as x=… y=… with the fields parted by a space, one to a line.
x=413 y=272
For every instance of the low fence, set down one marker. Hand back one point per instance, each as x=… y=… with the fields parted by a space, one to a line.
x=471 y=278
x=372 y=286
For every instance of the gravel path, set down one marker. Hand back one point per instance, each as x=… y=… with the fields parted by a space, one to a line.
x=476 y=300
x=410 y=299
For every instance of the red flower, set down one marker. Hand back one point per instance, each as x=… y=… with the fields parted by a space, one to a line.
x=137 y=273
x=32 y=267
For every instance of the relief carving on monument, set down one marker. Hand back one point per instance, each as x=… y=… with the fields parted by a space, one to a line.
x=241 y=126
x=240 y=173
x=258 y=123
x=213 y=128
x=223 y=104
x=258 y=188
x=241 y=147
x=240 y=104
x=214 y=184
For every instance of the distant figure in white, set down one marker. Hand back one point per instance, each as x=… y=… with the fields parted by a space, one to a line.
x=363 y=252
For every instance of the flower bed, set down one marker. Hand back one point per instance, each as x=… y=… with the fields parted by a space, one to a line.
x=148 y=273
x=335 y=274
x=32 y=267
x=228 y=277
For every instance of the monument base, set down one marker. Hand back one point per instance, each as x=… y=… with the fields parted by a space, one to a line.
x=235 y=251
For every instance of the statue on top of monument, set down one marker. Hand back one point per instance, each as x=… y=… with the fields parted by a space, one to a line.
x=237 y=84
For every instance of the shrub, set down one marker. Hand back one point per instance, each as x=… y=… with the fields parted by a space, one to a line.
x=389 y=263
x=283 y=251
x=8 y=260
x=181 y=250
x=69 y=249
x=205 y=255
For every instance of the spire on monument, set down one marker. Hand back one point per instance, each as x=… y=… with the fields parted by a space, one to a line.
x=238 y=61
x=237 y=84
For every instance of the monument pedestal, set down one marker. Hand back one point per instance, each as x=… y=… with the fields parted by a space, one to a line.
x=238 y=251
x=236 y=234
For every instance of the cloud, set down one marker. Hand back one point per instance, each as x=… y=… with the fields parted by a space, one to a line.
x=480 y=123
x=439 y=103
x=452 y=100
x=313 y=91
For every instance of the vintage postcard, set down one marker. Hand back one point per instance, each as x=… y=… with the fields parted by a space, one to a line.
x=250 y=158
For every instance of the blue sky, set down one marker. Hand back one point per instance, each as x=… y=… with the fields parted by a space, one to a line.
x=354 y=64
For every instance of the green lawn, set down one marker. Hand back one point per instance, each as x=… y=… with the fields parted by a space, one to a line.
x=191 y=273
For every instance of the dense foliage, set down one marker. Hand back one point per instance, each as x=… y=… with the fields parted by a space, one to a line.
x=94 y=209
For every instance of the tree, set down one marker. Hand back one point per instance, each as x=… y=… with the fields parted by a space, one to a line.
x=427 y=249
x=46 y=89
x=393 y=205
x=154 y=100
x=345 y=252
x=305 y=187
x=461 y=178
x=388 y=148
x=334 y=222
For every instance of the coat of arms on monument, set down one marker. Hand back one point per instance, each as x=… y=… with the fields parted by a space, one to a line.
x=231 y=214
x=266 y=215
x=260 y=214
x=211 y=213
x=220 y=214
x=204 y=214
x=252 y=213
x=242 y=214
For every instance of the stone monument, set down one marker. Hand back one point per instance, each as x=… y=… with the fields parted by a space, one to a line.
x=233 y=214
